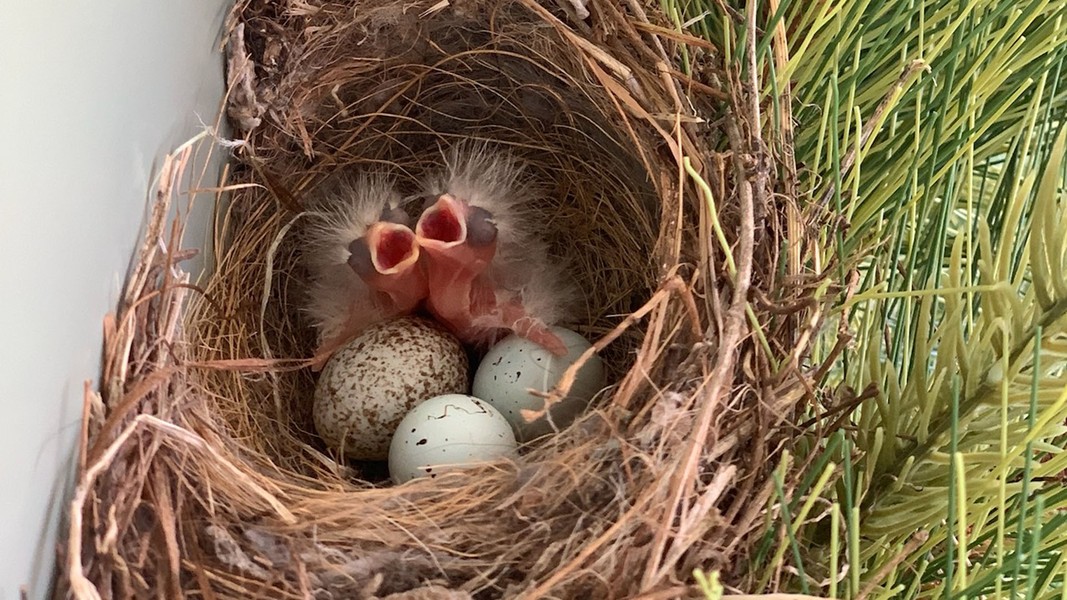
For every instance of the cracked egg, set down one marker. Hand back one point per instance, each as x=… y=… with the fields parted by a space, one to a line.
x=448 y=432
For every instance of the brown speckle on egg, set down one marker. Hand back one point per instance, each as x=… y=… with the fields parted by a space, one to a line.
x=368 y=386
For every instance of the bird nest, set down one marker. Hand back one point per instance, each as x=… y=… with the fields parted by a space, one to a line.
x=201 y=474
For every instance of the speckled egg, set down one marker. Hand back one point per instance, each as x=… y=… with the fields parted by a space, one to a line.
x=449 y=432
x=368 y=385
x=514 y=365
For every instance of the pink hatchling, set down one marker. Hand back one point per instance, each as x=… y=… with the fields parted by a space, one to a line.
x=363 y=259
x=488 y=274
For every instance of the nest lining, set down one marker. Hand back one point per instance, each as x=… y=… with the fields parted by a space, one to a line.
x=250 y=503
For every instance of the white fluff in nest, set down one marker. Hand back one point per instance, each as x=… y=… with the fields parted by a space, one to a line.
x=489 y=272
x=362 y=257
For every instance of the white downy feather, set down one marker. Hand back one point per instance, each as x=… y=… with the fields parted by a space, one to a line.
x=338 y=212
x=522 y=269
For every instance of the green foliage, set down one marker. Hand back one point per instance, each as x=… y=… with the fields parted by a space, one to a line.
x=934 y=129
x=708 y=584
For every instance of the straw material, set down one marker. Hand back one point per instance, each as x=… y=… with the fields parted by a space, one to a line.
x=201 y=475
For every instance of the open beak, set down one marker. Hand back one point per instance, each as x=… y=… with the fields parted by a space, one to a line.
x=459 y=242
x=387 y=258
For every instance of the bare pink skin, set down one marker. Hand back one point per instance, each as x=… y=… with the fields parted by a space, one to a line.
x=397 y=273
x=453 y=265
x=511 y=315
x=398 y=276
x=461 y=295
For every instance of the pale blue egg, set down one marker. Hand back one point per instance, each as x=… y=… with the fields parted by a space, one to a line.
x=448 y=432
x=514 y=365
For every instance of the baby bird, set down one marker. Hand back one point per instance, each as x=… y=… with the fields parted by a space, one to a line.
x=488 y=273
x=363 y=259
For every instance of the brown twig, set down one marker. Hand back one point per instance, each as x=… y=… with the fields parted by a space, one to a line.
x=721 y=376
x=873 y=123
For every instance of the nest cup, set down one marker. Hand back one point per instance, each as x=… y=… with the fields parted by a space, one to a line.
x=391 y=90
x=263 y=509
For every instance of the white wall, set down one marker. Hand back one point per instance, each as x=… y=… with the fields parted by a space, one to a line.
x=92 y=94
